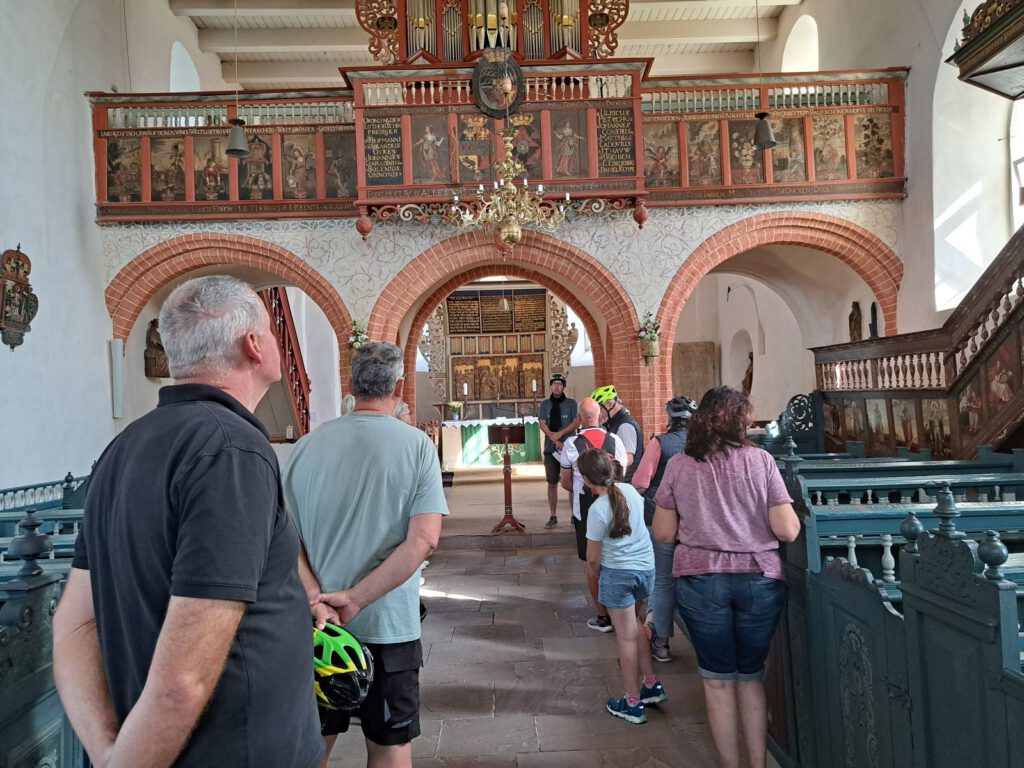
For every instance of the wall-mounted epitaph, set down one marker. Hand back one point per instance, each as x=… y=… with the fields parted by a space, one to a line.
x=616 y=142
x=464 y=314
x=530 y=312
x=382 y=145
x=492 y=318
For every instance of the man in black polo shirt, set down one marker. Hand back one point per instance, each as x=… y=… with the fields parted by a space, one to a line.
x=183 y=636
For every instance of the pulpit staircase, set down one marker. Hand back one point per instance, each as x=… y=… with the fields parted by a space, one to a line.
x=284 y=410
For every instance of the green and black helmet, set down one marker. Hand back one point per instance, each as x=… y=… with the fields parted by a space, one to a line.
x=606 y=394
x=342 y=669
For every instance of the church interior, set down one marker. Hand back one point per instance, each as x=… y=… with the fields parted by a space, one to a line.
x=812 y=201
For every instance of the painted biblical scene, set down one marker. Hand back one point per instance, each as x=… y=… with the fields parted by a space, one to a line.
x=1000 y=373
x=298 y=156
x=746 y=162
x=937 y=433
x=904 y=423
x=704 y=161
x=431 y=150
x=526 y=144
x=854 y=422
x=569 y=145
x=879 y=434
x=340 y=162
x=167 y=169
x=256 y=172
x=124 y=178
x=210 y=162
x=788 y=159
x=661 y=155
x=829 y=148
x=476 y=149
x=834 y=440
x=969 y=407
x=873 y=135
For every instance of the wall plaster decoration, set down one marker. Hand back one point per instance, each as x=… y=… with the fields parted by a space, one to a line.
x=642 y=260
x=433 y=346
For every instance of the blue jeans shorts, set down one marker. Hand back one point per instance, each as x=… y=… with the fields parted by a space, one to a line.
x=622 y=588
x=731 y=618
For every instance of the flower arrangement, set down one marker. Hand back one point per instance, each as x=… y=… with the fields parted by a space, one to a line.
x=456 y=406
x=650 y=329
x=358 y=337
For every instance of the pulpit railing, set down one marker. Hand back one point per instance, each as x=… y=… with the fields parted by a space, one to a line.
x=292 y=367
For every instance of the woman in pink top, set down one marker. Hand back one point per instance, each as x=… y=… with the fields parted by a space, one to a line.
x=724 y=505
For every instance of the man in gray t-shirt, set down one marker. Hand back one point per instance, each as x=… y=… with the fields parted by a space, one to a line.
x=366 y=493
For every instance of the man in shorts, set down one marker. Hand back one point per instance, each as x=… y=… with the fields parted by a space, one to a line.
x=557 y=419
x=366 y=493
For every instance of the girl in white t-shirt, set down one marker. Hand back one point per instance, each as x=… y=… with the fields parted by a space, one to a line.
x=620 y=554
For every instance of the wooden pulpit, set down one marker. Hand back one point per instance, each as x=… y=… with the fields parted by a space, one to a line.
x=507 y=434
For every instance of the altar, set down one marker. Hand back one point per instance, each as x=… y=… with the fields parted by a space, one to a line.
x=465 y=444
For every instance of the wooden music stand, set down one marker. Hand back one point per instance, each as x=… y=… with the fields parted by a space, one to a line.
x=509 y=434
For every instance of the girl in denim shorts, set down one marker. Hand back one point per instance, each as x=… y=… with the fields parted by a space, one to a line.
x=619 y=552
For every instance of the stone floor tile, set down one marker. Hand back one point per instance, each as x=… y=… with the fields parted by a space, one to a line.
x=453 y=619
x=570 y=649
x=599 y=732
x=639 y=757
x=457 y=700
x=540 y=697
x=497 y=672
x=510 y=735
x=485 y=761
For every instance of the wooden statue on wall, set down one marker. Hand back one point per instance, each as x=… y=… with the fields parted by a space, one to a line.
x=856 y=323
x=873 y=322
x=156 y=358
x=748 y=377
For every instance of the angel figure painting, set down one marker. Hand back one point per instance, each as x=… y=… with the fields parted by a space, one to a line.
x=661 y=155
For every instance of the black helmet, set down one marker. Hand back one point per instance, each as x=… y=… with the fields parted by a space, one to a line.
x=680 y=408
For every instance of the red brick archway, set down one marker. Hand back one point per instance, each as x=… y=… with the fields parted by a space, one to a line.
x=568 y=271
x=140 y=279
x=867 y=255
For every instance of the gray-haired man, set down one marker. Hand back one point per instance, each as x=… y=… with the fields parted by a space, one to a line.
x=366 y=493
x=183 y=636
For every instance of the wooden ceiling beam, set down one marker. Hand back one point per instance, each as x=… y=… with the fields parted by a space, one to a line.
x=263 y=7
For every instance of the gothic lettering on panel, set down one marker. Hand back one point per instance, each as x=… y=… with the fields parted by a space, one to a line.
x=340 y=162
x=167 y=169
x=999 y=372
x=256 y=172
x=904 y=421
x=530 y=312
x=124 y=175
x=969 y=406
x=569 y=144
x=211 y=168
x=705 y=153
x=476 y=148
x=299 y=160
x=431 y=150
x=492 y=318
x=788 y=162
x=829 y=148
x=464 y=314
x=527 y=142
x=661 y=155
x=616 y=142
x=873 y=136
x=382 y=145
x=746 y=162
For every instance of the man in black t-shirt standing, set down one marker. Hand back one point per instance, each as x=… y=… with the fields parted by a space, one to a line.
x=557 y=419
x=183 y=636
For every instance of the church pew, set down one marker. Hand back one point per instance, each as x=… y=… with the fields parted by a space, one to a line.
x=54 y=521
x=67 y=493
x=808 y=492
x=987 y=461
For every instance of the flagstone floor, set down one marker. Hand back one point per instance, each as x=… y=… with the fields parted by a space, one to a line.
x=512 y=676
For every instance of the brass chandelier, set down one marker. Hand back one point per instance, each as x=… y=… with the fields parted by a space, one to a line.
x=507 y=208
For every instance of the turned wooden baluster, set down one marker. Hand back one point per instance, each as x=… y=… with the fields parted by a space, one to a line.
x=929 y=381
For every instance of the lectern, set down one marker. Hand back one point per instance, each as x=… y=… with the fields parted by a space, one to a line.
x=509 y=434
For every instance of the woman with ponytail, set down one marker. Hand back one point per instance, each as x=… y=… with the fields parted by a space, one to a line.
x=620 y=556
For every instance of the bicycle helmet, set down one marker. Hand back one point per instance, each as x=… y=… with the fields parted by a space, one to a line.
x=342 y=669
x=680 y=408
x=606 y=394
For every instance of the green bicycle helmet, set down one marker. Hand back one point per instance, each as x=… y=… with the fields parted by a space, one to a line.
x=342 y=669
x=606 y=394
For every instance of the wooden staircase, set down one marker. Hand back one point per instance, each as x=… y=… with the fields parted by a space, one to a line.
x=284 y=410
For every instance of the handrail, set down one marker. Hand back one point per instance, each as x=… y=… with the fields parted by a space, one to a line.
x=294 y=370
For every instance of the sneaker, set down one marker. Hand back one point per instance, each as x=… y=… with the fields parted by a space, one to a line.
x=552 y=522
x=653 y=695
x=620 y=708
x=659 y=651
x=600 y=624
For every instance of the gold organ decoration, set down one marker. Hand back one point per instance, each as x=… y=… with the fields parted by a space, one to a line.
x=604 y=19
x=492 y=24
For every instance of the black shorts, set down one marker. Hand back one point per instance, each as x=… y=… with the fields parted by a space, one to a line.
x=390 y=716
x=580 y=526
x=552 y=469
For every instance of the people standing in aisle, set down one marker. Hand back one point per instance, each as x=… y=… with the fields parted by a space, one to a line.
x=621 y=559
x=366 y=493
x=647 y=480
x=725 y=503
x=557 y=418
x=183 y=636
x=617 y=420
x=591 y=436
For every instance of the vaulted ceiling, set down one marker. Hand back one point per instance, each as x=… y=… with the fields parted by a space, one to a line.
x=301 y=43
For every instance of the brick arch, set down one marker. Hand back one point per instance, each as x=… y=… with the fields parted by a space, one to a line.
x=140 y=279
x=545 y=259
x=862 y=251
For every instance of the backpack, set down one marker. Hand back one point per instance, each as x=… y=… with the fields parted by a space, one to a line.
x=607 y=445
